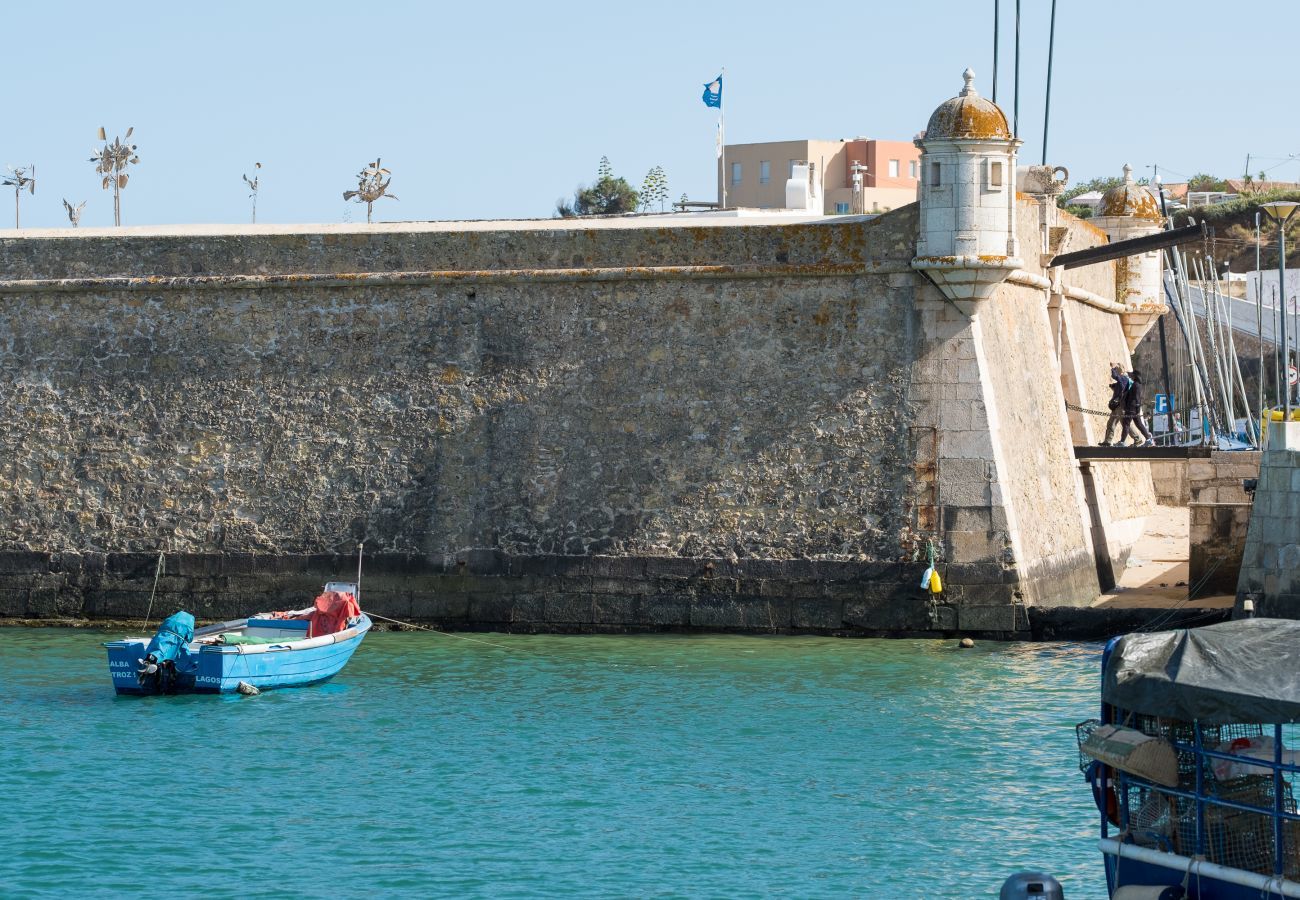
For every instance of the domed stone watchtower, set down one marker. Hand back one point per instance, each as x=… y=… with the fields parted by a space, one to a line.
x=1126 y=211
x=967 y=240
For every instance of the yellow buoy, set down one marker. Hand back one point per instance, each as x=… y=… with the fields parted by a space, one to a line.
x=936 y=585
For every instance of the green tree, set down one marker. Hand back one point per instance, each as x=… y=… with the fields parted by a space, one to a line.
x=1204 y=182
x=609 y=196
x=1083 y=187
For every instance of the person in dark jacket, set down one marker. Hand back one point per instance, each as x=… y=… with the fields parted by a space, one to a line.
x=1133 y=414
x=1119 y=386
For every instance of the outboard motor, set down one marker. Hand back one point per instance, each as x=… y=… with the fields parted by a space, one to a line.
x=1031 y=886
x=168 y=654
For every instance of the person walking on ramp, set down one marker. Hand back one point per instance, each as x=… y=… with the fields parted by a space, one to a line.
x=1119 y=386
x=1133 y=414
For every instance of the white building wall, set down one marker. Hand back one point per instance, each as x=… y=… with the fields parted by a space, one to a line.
x=1269 y=281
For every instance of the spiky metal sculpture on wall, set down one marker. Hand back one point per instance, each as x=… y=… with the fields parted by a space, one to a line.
x=74 y=211
x=252 y=188
x=371 y=185
x=110 y=162
x=21 y=177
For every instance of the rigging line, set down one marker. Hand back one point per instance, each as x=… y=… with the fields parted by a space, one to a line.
x=156 y=572
x=995 y=50
x=449 y=634
x=1164 y=618
x=1015 y=100
x=1047 y=104
x=1200 y=617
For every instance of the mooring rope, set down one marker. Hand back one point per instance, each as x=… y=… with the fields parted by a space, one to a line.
x=449 y=634
x=1160 y=620
x=156 y=572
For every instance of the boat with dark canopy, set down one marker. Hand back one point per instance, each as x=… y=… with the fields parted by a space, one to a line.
x=1192 y=765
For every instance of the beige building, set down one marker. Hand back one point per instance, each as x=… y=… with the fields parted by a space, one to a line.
x=756 y=174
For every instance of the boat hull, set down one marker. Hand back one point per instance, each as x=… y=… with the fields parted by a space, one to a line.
x=221 y=668
x=1127 y=865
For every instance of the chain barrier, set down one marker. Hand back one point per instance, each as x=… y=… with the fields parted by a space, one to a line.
x=1084 y=409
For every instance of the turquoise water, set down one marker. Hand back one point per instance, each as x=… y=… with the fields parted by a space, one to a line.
x=613 y=766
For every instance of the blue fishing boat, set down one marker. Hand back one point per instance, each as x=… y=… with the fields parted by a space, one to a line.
x=269 y=650
x=1191 y=762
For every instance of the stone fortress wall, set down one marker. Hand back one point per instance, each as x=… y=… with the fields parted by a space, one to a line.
x=750 y=426
x=655 y=422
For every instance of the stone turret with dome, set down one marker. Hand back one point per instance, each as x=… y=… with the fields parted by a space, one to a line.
x=1129 y=199
x=968 y=115
x=1126 y=211
x=967 y=243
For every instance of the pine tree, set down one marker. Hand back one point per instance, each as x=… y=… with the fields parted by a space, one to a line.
x=608 y=196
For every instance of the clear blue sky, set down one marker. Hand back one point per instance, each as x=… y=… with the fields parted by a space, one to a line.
x=488 y=110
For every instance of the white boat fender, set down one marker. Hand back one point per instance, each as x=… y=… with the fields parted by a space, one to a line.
x=1149 y=892
x=247 y=689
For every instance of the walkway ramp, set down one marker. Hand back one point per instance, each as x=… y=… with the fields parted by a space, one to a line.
x=1127 y=454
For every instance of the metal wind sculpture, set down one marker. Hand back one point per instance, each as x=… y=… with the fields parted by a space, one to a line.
x=110 y=162
x=371 y=185
x=252 y=185
x=74 y=212
x=20 y=177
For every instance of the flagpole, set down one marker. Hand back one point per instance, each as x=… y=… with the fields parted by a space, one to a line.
x=722 y=181
x=722 y=134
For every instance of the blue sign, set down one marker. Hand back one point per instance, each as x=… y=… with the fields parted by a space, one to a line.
x=1164 y=403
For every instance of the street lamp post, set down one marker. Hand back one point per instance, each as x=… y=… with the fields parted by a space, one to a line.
x=1282 y=211
x=859 y=197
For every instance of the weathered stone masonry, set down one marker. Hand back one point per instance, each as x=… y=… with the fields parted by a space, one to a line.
x=579 y=425
x=544 y=432
x=727 y=427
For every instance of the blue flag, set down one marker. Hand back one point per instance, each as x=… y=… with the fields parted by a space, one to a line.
x=713 y=93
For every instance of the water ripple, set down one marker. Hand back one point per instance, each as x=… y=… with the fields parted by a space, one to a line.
x=597 y=766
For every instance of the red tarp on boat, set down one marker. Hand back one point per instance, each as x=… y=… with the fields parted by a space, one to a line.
x=331 y=614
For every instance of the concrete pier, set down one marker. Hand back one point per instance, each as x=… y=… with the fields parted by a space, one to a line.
x=1270 y=567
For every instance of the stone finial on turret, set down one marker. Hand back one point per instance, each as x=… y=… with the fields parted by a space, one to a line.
x=969 y=78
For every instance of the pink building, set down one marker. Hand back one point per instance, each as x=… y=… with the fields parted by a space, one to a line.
x=756 y=173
